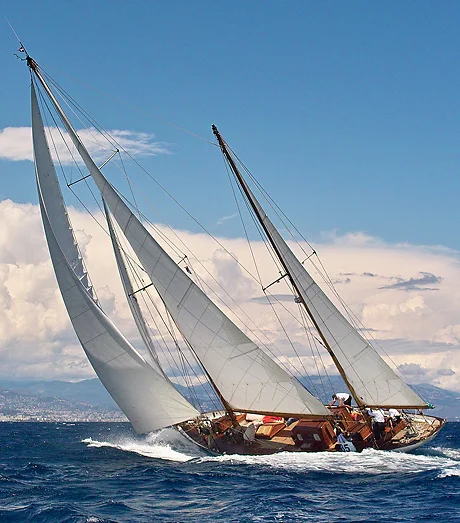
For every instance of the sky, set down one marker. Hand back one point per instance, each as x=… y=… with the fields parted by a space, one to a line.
x=346 y=112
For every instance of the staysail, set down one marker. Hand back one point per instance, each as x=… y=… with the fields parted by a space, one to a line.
x=130 y=297
x=371 y=379
x=247 y=378
x=148 y=400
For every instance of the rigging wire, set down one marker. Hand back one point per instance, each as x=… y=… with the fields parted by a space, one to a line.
x=79 y=199
x=115 y=143
x=185 y=366
x=141 y=111
x=319 y=267
x=270 y=249
x=321 y=272
x=327 y=281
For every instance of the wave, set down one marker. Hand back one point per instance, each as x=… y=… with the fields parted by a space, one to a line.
x=447 y=452
x=156 y=445
x=369 y=462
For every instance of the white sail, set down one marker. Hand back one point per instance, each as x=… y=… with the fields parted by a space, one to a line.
x=373 y=380
x=148 y=400
x=54 y=200
x=132 y=300
x=247 y=378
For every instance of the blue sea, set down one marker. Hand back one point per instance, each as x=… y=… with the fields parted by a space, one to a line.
x=104 y=472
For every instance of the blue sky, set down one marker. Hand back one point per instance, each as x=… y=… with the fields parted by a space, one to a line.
x=347 y=112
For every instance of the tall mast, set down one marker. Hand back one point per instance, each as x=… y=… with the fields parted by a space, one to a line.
x=252 y=200
x=94 y=171
x=248 y=379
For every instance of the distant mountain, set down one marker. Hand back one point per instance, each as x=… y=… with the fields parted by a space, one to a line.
x=92 y=394
x=18 y=405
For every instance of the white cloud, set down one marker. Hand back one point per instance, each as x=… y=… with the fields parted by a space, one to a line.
x=415 y=328
x=16 y=144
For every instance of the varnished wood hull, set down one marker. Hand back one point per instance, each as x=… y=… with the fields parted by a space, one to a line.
x=216 y=434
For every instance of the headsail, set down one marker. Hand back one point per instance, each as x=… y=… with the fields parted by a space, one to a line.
x=53 y=198
x=247 y=378
x=132 y=300
x=371 y=379
x=148 y=400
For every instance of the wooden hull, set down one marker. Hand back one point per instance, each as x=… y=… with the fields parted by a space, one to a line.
x=215 y=433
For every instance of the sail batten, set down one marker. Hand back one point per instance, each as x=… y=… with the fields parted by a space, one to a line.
x=252 y=381
x=148 y=400
x=369 y=377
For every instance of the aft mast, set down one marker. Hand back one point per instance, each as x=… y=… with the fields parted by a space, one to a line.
x=371 y=381
x=256 y=210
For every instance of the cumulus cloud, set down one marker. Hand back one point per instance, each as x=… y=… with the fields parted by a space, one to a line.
x=412 y=369
x=419 y=332
x=16 y=144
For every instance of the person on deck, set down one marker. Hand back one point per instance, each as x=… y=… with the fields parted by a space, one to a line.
x=394 y=417
x=343 y=398
x=378 y=422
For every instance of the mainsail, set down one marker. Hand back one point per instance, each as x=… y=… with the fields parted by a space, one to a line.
x=148 y=400
x=244 y=374
x=371 y=379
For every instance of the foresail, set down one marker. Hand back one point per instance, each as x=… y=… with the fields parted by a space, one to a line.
x=148 y=400
x=247 y=378
x=132 y=300
x=53 y=199
x=373 y=380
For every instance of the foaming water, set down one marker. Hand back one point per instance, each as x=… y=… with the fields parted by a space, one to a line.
x=370 y=461
x=156 y=445
x=169 y=445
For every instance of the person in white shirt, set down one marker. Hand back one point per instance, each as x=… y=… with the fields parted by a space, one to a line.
x=378 y=422
x=343 y=398
x=395 y=417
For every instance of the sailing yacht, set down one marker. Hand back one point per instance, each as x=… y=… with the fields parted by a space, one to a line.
x=262 y=408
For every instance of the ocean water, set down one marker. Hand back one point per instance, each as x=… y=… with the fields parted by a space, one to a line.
x=103 y=472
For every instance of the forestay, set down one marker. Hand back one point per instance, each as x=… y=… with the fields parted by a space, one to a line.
x=247 y=378
x=373 y=381
x=148 y=400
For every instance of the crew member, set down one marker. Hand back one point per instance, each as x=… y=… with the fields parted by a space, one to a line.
x=343 y=398
x=378 y=422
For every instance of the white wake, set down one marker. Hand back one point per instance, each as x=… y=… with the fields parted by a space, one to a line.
x=157 y=445
x=373 y=462
x=171 y=446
